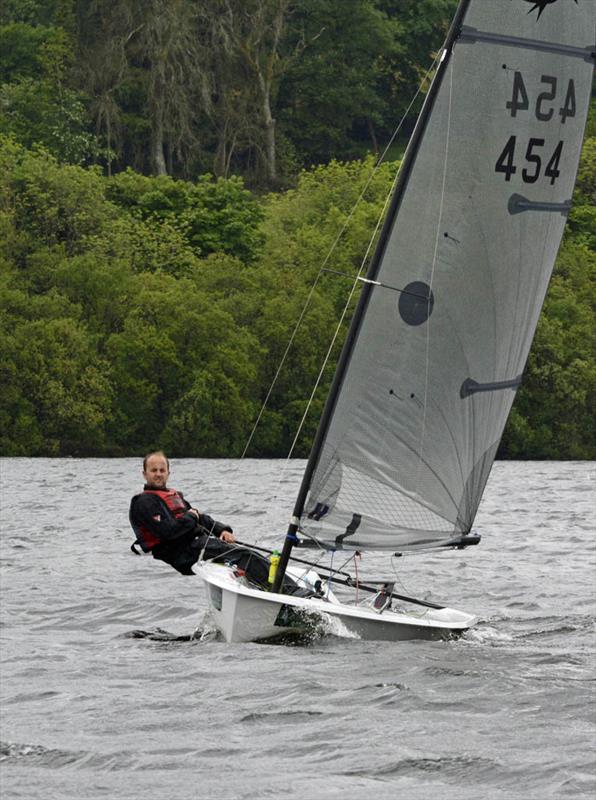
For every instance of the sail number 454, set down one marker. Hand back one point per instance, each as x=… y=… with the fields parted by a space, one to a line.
x=534 y=155
x=534 y=160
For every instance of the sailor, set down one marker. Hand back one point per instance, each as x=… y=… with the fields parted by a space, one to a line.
x=169 y=528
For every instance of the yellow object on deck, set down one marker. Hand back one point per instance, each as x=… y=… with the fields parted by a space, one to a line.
x=273 y=563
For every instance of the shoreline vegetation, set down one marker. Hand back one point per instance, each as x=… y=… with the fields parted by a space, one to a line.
x=147 y=300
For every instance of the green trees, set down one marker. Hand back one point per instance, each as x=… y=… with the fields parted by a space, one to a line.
x=110 y=342
x=147 y=303
x=554 y=414
x=210 y=216
x=40 y=104
x=65 y=394
x=179 y=87
x=144 y=312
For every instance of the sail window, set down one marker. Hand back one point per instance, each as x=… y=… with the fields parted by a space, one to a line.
x=416 y=303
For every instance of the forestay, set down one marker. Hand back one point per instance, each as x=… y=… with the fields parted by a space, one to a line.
x=465 y=260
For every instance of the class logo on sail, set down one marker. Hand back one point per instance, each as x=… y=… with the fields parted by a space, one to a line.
x=540 y=5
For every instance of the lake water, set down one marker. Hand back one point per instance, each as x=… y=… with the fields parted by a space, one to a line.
x=106 y=695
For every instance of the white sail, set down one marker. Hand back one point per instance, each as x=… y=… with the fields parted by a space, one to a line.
x=465 y=262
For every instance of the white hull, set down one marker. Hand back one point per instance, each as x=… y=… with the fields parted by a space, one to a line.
x=244 y=614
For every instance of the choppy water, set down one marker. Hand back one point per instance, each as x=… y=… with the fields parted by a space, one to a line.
x=106 y=694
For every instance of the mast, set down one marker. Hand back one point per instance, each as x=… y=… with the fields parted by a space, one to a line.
x=404 y=175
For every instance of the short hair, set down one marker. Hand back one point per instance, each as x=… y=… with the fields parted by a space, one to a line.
x=156 y=453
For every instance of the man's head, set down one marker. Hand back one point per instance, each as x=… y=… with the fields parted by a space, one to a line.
x=156 y=470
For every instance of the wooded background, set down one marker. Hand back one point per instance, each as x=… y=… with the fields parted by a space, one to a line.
x=172 y=174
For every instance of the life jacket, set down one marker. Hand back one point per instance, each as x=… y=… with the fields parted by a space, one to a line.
x=176 y=506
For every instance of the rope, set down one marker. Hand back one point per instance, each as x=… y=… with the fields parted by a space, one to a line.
x=317 y=279
x=407 y=591
x=330 y=578
x=322 y=269
x=397 y=577
x=211 y=535
x=283 y=358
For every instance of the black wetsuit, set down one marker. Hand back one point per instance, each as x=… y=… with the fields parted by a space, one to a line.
x=182 y=538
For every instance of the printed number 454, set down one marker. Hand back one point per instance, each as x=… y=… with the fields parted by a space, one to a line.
x=533 y=158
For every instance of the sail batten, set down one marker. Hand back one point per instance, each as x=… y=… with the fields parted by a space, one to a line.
x=518 y=203
x=472 y=35
x=439 y=342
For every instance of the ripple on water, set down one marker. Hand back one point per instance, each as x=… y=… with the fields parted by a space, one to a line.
x=283 y=717
x=13 y=753
x=112 y=666
x=466 y=768
x=159 y=635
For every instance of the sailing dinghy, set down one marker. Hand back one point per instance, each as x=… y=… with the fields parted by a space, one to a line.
x=444 y=323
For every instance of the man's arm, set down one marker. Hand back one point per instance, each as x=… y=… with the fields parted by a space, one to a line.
x=147 y=510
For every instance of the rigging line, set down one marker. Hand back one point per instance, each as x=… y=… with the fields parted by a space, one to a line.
x=315 y=565
x=334 y=245
x=232 y=546
x=397 y=577
x=338 y=328
x=210 y=534
x=293 y=558
x=404 y=587
x=330 y=579
x=377 y=283
x=434 y=262
x=283 y=359
x=283 y=470
x=346 y=562
x=356 y=280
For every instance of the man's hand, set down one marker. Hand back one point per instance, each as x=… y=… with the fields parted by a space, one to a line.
x=194 y=511
x=227 y=537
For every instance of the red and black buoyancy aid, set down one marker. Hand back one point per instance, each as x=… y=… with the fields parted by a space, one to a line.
x=177 y=507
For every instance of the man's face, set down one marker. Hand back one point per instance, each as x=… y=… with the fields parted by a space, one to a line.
x=156 y=472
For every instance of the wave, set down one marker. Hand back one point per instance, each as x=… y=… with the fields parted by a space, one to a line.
x=461 y=767
x=203 y=634
x=486 y=634
x=287 y=717
x=27 y=754
x=14 y=754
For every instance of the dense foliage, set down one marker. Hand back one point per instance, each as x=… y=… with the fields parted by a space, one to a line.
x=143 y=308
x=142 y=311
x=182 y=87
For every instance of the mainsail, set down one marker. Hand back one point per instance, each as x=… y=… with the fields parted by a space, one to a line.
x=438 y=345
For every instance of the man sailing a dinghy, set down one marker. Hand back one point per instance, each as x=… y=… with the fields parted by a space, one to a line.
x=169 y=528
